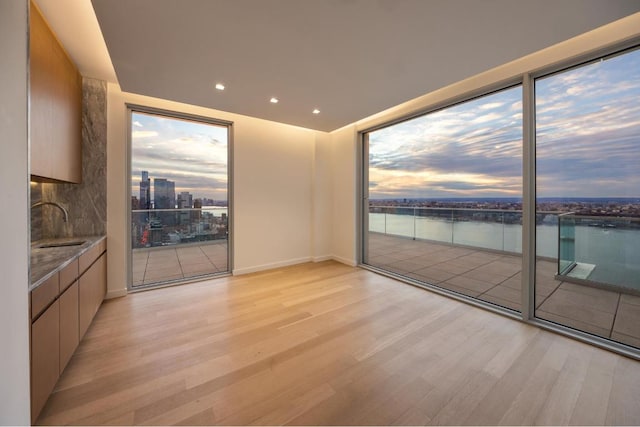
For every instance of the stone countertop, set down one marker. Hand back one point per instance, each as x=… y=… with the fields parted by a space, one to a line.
x=46 y=262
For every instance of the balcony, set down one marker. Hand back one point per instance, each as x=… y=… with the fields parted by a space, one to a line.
x=484 y=263
x=170 y=245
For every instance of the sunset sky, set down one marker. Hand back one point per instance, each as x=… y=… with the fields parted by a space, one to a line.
x=472 y=149
x=588 y=141
x=588 y=130
x=192 y=154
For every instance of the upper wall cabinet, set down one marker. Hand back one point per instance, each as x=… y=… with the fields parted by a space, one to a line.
x=56 y=107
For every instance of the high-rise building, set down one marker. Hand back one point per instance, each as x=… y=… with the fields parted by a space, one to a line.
x=164 y=194
x=185 y=200
x=145 y=191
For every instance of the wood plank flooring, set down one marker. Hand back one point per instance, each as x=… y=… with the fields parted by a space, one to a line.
x=328 y=344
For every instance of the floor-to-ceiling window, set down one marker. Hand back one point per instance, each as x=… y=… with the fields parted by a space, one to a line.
x=445 y=198
x=179 y=197
x=588 y=197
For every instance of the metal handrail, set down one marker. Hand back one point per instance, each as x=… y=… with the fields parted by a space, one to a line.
x=204 y=208
x=446 y=209
x=602 y=217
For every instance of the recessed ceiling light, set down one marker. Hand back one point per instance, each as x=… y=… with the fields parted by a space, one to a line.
x=316 y=111
x=219 y=86
x=274 y=100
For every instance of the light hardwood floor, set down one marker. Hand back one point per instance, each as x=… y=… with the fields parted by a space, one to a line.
x=326 y=344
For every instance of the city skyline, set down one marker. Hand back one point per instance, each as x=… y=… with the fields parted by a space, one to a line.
x=588 y=141
x=144 y=192
x=191 y=154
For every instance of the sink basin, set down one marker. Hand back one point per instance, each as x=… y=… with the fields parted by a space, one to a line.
x=60 y=244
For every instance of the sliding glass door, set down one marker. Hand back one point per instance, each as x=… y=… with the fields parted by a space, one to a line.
x=445 y=198
x=588 y=197
x=179 y=198
x=443 y=204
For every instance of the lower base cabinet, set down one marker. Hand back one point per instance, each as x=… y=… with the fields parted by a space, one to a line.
x=69 y=324
x=45 y=357
x=56 y=332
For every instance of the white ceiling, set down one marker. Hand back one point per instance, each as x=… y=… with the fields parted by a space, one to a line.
x=349 y=58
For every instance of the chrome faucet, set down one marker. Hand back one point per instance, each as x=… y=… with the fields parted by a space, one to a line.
x=64 y=211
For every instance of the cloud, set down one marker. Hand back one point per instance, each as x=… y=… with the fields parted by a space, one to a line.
x=138 y=124
x=139 y=134
x=587 y=131
x=491 y=105
x=487 y=118
x=576 y=90
x=444 y=142
x=599 y=164
x=192 y=154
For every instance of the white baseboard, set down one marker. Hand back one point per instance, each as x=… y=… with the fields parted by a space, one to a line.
x=240 y=271
x=346 y=261
x=321 y=258
x=116 y=294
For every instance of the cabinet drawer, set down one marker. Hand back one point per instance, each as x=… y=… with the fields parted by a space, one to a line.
x=42 y=296
x=87 y=258
x=68 y=275
x=102 y=245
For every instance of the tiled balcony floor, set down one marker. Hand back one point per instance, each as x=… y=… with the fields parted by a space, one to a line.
x=163 y=264
x=496 y=278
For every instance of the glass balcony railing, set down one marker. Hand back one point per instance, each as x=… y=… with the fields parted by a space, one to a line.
x=166 y=227
x=566 y=243
x=600 y=250
x=496 y=229
x=483 y=228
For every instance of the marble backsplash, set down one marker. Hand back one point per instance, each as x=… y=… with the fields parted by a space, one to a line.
x=36 y=214
x=85 y=202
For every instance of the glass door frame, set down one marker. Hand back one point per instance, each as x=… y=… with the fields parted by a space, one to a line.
x=363 y=192
x=137 y=108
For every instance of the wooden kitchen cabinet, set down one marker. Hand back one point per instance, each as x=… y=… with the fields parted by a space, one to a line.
x=69 y=274
x=69 y=324
x=62 y=308
x=56 y=107
x=93 y=288
x=45 y=357
x=44 y=294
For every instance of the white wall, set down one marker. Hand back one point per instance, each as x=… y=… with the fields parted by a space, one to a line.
x=14 y=186
x=117 y=205
x=273 y=188
x=272 y=172
x=344 y=191
x=322 y=218
x=344 y=140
